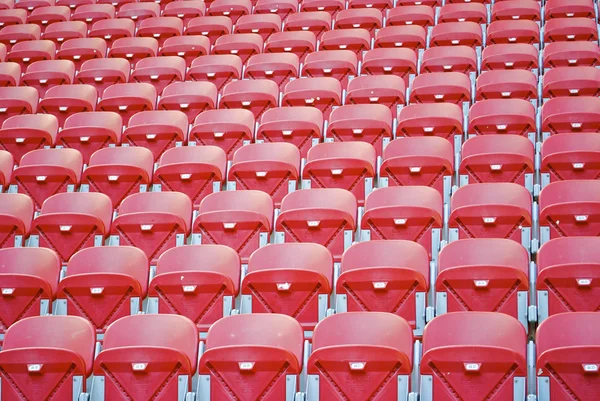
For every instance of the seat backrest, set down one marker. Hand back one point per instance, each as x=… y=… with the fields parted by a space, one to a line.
x=496 y=252
x=321 y=198
x=419 y=196
x=569 y=252
x=293 y=256
x=90 y=203
x=274 y=151
x=498 y=193
x=420 y=146
x=38 y=262
x=249 y=200
x=195 y=154
x=43 y=122
x=19 y=206
x=568 y=330
x=344 y=150
x=176 y=203
x=572 y=191
x=64 y=157
x=124 y=156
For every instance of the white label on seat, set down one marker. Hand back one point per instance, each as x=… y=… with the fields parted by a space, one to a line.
x=462 y=19
x=357 y=131
x=506 y=94
x=229 y=226
x=84 y=139
x=63 y=108
x=400 y=222
x=305 y=28
x=438 y=97
x=572 y=61
x=181 y=54
x=380 y=285
x=246 y=103
x=286 y=132
x=409 y=22
x=287 y=49
x=98 y=79
x=261 y=174
x=489 y=220
x=65 y=229
x=77 y=57
x=337 y=171
x=234 y=51
x=373 y=99
x=578 y=166
x=481 y=283
x=43 y=81
x=320 y=8
x=8 y=291
x=355 y=25
x=591 y=368
x=313 y=223
x=455 y=42
x=414 y=170
x=60 y=39
x=96 y=290
x=472 y=367
x=185 y=176
x=343 y=47
x=269 y=73
x=180 y=15
x=151 y=136
x=3 y=110
x=226 y=12
x=113 y=178
x=387 y=69
x=204 y=33
x=357 y=365
x=501 y=127
x=139 y=367
x=189 y=288
x=512 y=40
x=146 y=227
x=273 y=10
x=19 y=140
x=254 y=30
x=34 y=367
x=13 y=41
x=309 y=101
x=219 y=134
x=107 y=37
x=576 y=125
x=246 y=365
x=573 y=91
x=129 y=55
x=122 y=108
x=570 y=14
x=154 y=77
x=581 y=218
x=570 y=37
x=327 y=70
x=283 y=286
x=496 y=167
x=41 y=178
x=584 y=282
x=509 y=64
x=428 y=129
x=26 y=59
x=184 y=105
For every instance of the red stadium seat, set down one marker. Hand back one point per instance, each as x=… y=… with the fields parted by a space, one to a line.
x=6 y=4
x=356 y=40
x=90 y=131
x=194 y=170
x=45 y=172
x=10 y=74
x=422 y=15
x=138 y=12
x=44 y=16
x=153 y=222
x=365 y=14
x=104 y=72
x=507 y=84
x=331 y=7
x=491 y=210
x=474 y=353
x=118 y=172
x=272 y=346
x=13 y=34
x=7 y=163
x=456 y=34
x=571 y=156
x=212 y=27
x=395 y=61
x=570 y=115
x=24 y=133
x=325 y=216
x=565 y=54
x=69 y=222
x=128 y=99
x=567 y=349
x=483 y=274
x=291 y=279
x=242 y=220
x=233 y=9
x=133 y=49
x=512 y=10
x=273 y=168
x=411 y=37
x=385 y=276
x=299 y=43
x=382 y=343
x=157 y=130
x=571 y=81
x=317 y=22
x=228 y=129
x=185 y=10
x=206 y=291
x=461 y=12
x=16 y=212
x=112 y=30
x=300 y=126
x=31 y=5
x=346 y=165
x=509 y=31
x=42 y=348
x=12 y=17
x=421 y=160
x=29 y=278
x=497 y=158
x=65 y=100
x=263 y=24
x=159 y=71
x=103 y=284
x=28 y=52
x=281 y=8
x=503 y=116
x=191 y=98
x=322 y=93
x=569 y=9
x=186 y=47
x=441 y=87
x=449 y=58
x=45 y=74
x=116 y=3
x=147 y=352
x=220 y=69
x=80 y=50
x=59 y=32
x=388 y=90
x=256 y=96
x=279 y=68
x=243 y=45
x=517 y=56
x=92 y=13
x=368 y=4
x=430 y=119
x=370 y=123
x=569 y=209
x=73 y=4
x=567 y=30
x=160 y=28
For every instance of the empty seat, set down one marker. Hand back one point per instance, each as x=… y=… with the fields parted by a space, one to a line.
x=202 y=292
x=503 y=116
x=116 y=3
x=44 y=16
x=513 y=10
x=395 y=61
x=191 y=98
x=385 y=276
x=569 y=209
x=45 y=74
x=59 y=32
x=362 y=14
x=69 y=222
x=441 y=87
x=291 y=279
x=80 y=50
x=325 y=216
x=103 y=284
x=316 y=22
x=356 y=40
x=43 y=348
x=447 y=59
x=89 y=131
x=474 y=353
x=507 y=84
x=193 y=170
x=118 y=172
x=322 y=93
x=331 y=7
x=220 y=69
x=299 y=43
x=256 y=96
x=567 y=273
x=168 y=347
x=12 y=17
x=31 y=5
x=24 y=272
x=411 y=37
x=281 y=8
x=138 y=12
x=491 y=210
x=16 y=211
x=497 y=158
x=338 y=64
x=92 y=13
x=228 y=129
x=430 y=119
x=571 y=156
x=26 y=53
x=212 y=27
x=112 y=30
x=186 y=47
x=263 y=24
x=300 y=126
x=160 y=28
x=7 y=164
x=103 y=72
x=483 y=274
x=233 y=9
x=567 y=115
x=273 y=168
x=567 y=30
x=571 y=81
x=456 y=34
x=133 y=49
x=388 y=90
x=461 y=12
x=243 y=45
x=45 y=172
x=346 y=165
x=279 y=68
x=128 y=99
x=65 y=100
x=422 y=15
x=272 y=346
x=510 y=31
x=420 y=160
x=6 y=4
x=566 y=347
x=513 y=56
x=569 y=9
x=24 y=133
x=410 y=3
x=185 y=10
x=370 y=123
x=159 y=71
x=571 y=54
x=381 y=342
x=153 y=222
x=13 y=34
